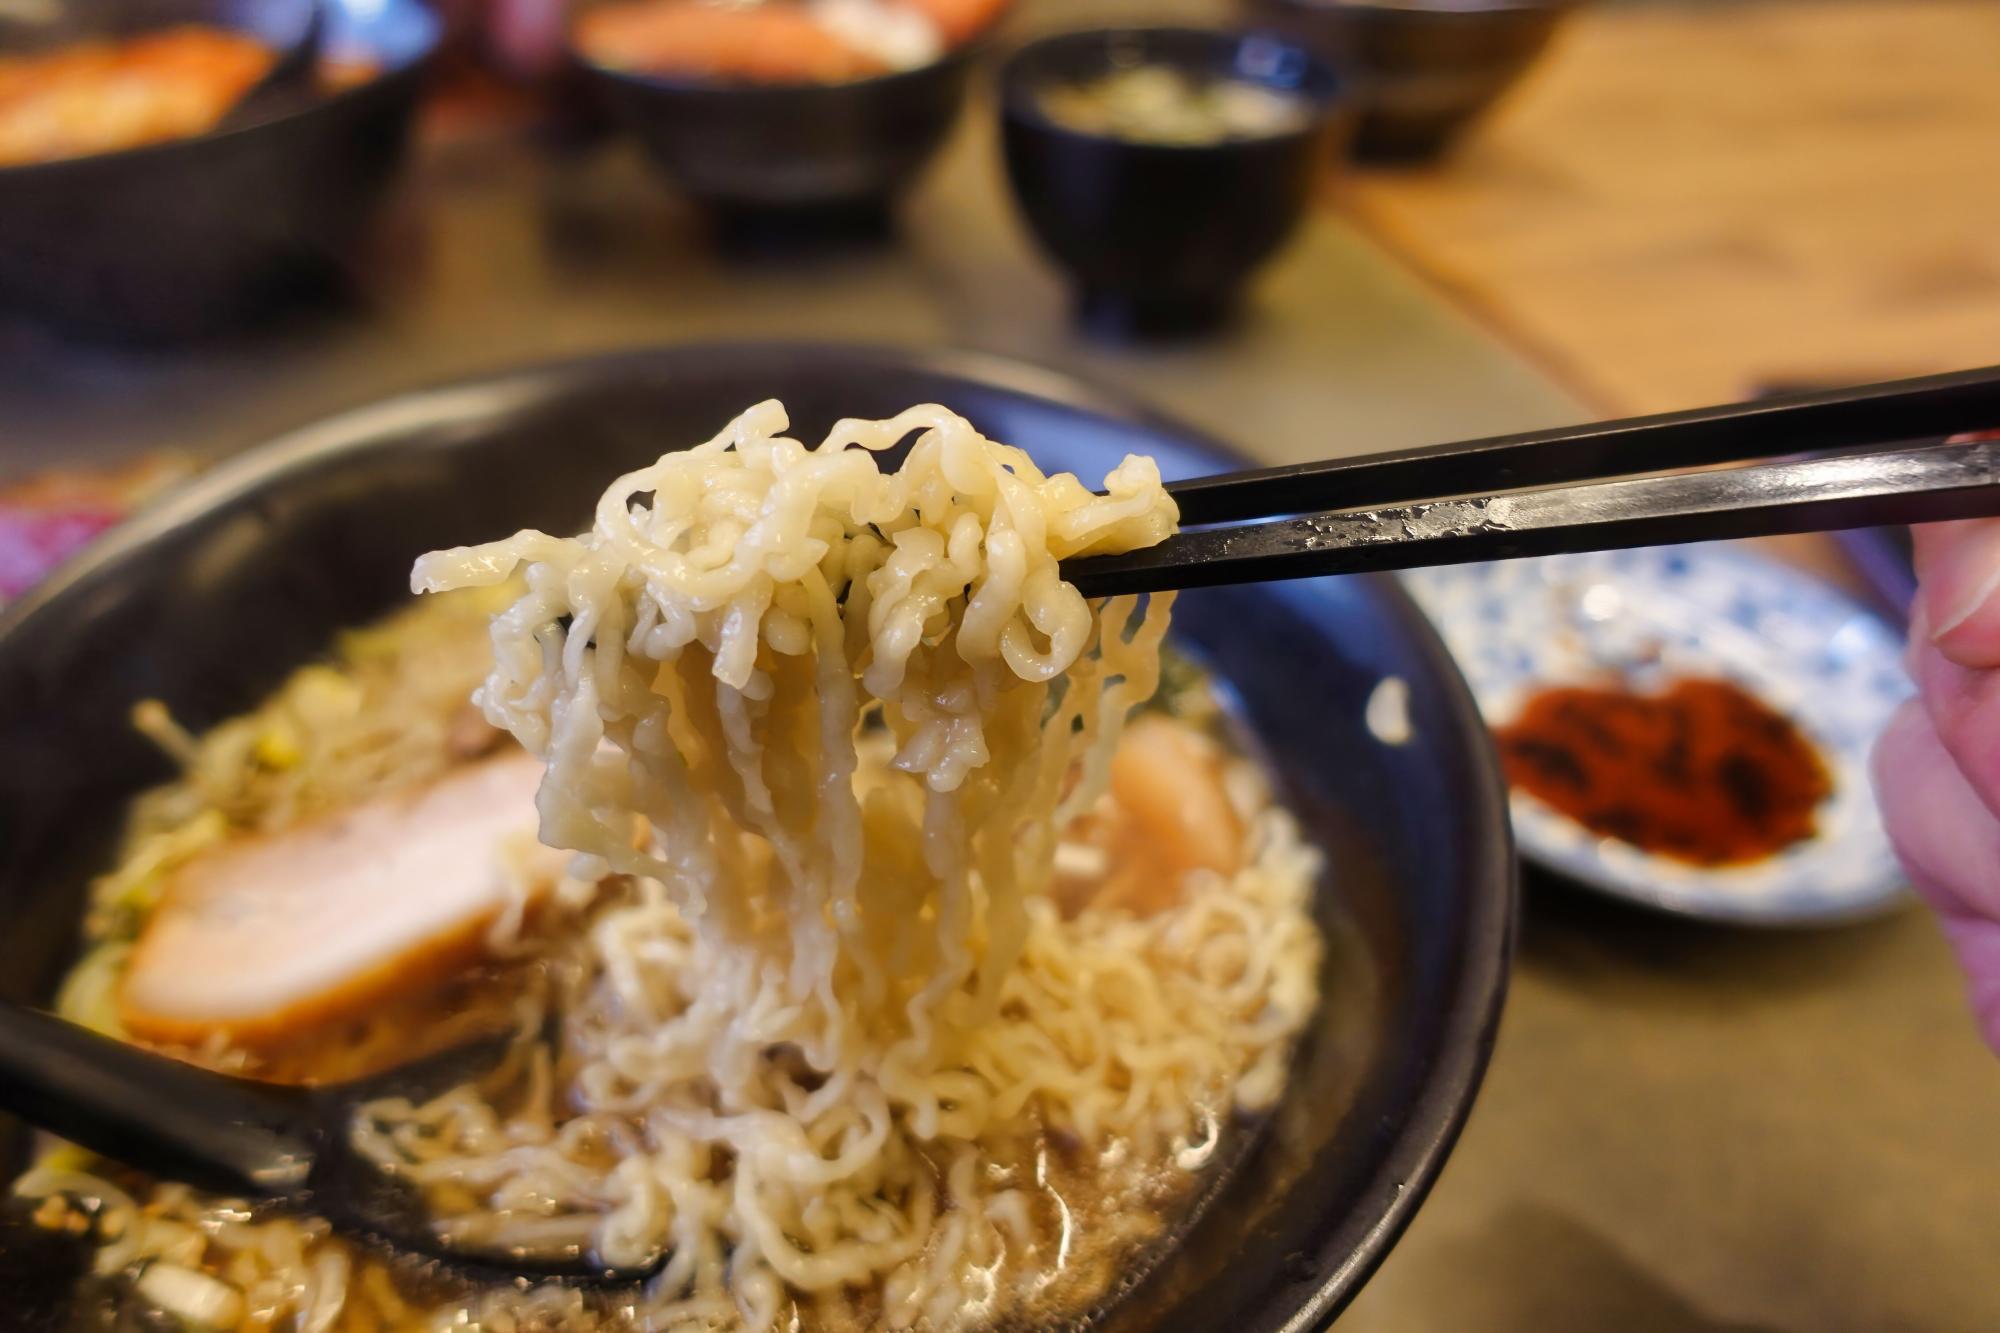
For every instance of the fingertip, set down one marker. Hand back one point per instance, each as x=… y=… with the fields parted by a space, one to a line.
x=1963 y=707
x=1977 y=943
x=1900 y=746
x=1988 y=1013
x=1945 y=836
x=1958 y=596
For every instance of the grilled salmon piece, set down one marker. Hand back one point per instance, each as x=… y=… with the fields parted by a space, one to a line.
x=755 y=44
x=1168 y=813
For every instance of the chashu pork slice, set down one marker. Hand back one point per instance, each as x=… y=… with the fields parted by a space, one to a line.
x=280 y=932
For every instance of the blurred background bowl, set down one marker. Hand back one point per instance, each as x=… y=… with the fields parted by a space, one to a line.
x=35 y=26
x=193 y=236
x=1159 y=238
x=790 y=153
x=1422 y=70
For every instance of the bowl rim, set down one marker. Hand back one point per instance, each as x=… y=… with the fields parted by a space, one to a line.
x=1019 y=107
x=1409 y=1167
x=412 y=68
x=961 y=53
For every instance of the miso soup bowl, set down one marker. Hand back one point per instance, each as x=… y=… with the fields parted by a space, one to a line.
x=1160 y=238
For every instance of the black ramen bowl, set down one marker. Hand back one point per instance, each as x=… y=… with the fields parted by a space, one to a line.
x=1159 y=238
x=1423 y=70
x=790 y=157
x=211 y=597
x=195 y=236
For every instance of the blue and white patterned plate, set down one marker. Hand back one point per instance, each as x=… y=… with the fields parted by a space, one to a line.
x=1517 y=626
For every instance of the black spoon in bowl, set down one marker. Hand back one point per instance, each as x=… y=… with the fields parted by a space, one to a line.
x=267 y=1142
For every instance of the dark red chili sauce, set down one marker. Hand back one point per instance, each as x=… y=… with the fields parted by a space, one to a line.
x=1702 y=772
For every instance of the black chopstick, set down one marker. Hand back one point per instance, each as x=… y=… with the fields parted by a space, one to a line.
x=1461 y=514
x=1898 y=410
x=1924 y=484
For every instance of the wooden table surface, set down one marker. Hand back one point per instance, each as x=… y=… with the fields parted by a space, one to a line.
x=1687 y=202
x=1683 y=205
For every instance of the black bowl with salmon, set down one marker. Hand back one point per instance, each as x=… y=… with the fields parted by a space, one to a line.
x=141 y=203
x=244 y=618
x=785 y=116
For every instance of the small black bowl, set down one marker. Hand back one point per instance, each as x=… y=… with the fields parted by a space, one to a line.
x=1159 y=238
x=194 y=236
x=1423 y=70
x=783 y=156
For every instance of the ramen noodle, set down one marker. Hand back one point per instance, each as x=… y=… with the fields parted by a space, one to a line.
x=896 y=982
